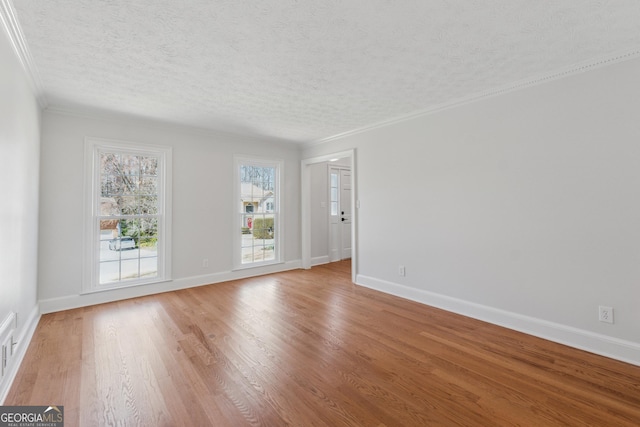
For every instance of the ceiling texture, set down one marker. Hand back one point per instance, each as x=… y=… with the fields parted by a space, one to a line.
x=308 y=71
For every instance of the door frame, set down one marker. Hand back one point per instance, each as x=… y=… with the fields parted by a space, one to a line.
x=305 y=197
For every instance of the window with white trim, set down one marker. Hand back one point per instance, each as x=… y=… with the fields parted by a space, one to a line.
x=127 y=214
x=257 y=214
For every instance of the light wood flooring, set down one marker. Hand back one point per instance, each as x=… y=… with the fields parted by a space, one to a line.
x=309 y=348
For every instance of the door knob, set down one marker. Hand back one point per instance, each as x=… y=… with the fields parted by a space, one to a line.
x=343 y=219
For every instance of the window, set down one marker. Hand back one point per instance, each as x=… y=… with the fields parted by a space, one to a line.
x=128 y=210
x=333 y=196
x=258 y=215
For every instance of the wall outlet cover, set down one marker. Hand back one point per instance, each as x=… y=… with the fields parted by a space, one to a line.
x=605 y=314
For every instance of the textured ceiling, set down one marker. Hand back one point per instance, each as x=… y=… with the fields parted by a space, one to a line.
x=308 y=70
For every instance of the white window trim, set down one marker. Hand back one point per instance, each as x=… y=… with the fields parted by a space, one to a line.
x=277 y=204
x=91 y=258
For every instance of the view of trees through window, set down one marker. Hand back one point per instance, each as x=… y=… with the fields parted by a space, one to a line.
x=128 y=215
x=258 y=222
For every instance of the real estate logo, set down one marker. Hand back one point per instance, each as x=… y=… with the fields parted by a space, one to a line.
x=31 y=416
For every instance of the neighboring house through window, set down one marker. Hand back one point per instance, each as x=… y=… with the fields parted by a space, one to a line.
x=127 y=214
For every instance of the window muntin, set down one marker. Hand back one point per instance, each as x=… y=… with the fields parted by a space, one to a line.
x=128 y=231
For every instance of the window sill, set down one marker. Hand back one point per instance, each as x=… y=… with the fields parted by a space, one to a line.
x=125 y=285
x=256 y=265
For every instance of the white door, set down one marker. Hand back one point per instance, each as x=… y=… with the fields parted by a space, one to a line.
x=339 y=213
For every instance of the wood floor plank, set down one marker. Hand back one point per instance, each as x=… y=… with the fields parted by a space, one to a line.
x=310 y=348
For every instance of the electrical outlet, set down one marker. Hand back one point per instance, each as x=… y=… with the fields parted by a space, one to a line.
x=401 y=271
x=605 y=314
x=205 y=262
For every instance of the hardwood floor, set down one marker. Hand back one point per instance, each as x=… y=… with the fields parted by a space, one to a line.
x=309 y=348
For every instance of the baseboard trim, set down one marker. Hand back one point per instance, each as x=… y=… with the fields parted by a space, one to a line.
x=24 y=339
x=614 y=348
x=76 y=301
x=319 y=260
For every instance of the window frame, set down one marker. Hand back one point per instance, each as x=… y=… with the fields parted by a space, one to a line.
x=92 y=194
x=238 y=210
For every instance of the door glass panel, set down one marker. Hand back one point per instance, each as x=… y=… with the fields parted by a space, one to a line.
x=334 y=194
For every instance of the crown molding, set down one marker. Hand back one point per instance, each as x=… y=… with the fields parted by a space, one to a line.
x=19 y=44
x=511 y=87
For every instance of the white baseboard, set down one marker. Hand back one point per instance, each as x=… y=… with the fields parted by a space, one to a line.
x=26 y=333
x=614 y=348
x=319 y=260
x=75 y=301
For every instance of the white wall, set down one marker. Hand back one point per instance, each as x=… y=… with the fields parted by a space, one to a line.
x=19 y=161
x=319 y=213
x=203 y=204
x=521 y=209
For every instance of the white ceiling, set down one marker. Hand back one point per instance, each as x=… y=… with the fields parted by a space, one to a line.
x=308 y=70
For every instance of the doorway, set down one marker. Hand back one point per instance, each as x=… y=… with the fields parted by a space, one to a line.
x=348 y=239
